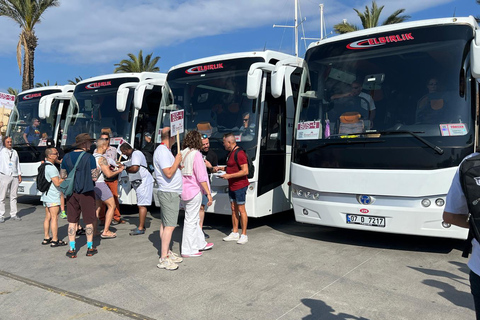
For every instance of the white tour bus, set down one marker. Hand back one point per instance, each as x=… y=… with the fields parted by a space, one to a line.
x=384 y=118
x=215 y=94
x=127 y=103
x=29 y=106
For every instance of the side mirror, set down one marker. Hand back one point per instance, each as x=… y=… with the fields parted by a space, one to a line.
x=122 y=95
x=146 y=85
x=254 y=80
x=475 y=56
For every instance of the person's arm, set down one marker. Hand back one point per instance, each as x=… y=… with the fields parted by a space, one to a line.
x=105 y=168
x=207 y=191
x=63 y=174
x=243 y=172
x=57 y=181
x=459 y=220
x=170 y=171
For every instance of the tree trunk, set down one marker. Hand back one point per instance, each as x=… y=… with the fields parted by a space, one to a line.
x=28 y=61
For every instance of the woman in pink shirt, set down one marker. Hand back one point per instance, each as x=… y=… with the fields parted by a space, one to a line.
x=195 y=181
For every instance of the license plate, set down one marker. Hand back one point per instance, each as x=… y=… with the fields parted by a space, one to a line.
x=366 y=220
x=21 y=189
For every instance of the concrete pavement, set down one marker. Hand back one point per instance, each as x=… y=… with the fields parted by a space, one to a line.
x=286 y=271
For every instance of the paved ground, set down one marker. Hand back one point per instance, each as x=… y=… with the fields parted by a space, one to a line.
x=286 y=271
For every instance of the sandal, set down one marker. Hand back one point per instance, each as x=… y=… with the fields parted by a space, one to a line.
x=81 y=231
x=136 y=232
x=46 y=241
x=58 y=243
x=110 y=235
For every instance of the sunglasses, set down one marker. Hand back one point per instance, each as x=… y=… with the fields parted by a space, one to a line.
x=245 y=120
x=204 y=136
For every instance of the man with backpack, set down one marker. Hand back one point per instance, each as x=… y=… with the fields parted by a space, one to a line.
x=142 y=182
x=237 y=176
x=457 y=213
x=48 y=182
x=79 y=191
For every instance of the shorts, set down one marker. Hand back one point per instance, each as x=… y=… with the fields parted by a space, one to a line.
x=238 y=196
x=169 y=207
x=83 y=203
x=204 y=201
x=144 y=194
x=102 y=191
x=51 y=204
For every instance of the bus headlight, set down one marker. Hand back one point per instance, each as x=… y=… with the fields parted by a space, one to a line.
x=440 y=202
x=300 y=193
x=316 y=196
x=307 y=194
x=426 y=203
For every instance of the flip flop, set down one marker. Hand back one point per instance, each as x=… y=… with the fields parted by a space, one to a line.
x=112 y=236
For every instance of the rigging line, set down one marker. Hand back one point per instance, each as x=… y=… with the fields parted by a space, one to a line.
x=303 y=29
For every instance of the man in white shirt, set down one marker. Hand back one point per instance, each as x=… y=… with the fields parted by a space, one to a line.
x=10 y=177
x=456 y=213
x=169 y=180
x=142 y=182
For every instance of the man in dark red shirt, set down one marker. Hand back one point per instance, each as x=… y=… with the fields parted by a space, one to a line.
x=237 y=172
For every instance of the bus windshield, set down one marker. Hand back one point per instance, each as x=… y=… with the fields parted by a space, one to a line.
x=93 y=109
x=25 y=126
x=214 y=103
x=387 y=105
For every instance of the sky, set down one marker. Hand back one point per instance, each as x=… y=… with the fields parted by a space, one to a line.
x=85 y=38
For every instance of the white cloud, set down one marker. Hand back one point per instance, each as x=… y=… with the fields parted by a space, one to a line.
x=92 y=31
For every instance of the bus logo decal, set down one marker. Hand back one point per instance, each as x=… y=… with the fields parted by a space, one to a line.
x=365 y=200
x=96 y=85
x=380 y=41
x=32 y=95
x=200 y=69
x=364 y=211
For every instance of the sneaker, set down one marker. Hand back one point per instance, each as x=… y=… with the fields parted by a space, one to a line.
x=233 y=236
x=2 y=219
x=91 y=252
x=63 y=215
x=207 y=247
x=16 y=218
x=243 y=239
x=193 y=255
x=167 y=264
x=72 y=253
x=174 y=257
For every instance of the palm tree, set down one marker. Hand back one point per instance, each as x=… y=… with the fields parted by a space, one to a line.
x=27 y=14
x=12 y=91
x=45 y=84
x=371 y=17
x=77 y=80
x=137 y=64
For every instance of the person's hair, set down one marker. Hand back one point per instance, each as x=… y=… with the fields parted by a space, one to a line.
x=193 y=140
x=246 y=114
x=5 y=139
x=165 y=134
x=105 y=133
x=35 y=119
x=228 y=135
x=101 y=143
x=108 y=131
x=125 y=146
x=49 y=151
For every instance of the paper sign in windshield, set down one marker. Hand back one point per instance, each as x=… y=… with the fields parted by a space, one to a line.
x=308 y=130
x=453 y=129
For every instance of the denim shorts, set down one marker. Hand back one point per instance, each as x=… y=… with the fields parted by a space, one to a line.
x=238 y=196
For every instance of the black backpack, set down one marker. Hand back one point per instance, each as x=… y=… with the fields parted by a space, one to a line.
x=42 y=184
x=149 y=159
x=251 y=168
x=470 y=181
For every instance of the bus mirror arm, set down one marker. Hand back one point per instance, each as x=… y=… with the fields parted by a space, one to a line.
x=254 y=78
x=122 y=95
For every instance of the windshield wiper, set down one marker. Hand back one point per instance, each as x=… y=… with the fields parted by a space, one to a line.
x=414 y=134
x=343 y=141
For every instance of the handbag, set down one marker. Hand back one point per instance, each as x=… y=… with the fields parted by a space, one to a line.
x=67 y=185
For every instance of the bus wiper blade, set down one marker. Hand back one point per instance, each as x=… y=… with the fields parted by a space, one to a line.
x=414 y=134
x=344 y=141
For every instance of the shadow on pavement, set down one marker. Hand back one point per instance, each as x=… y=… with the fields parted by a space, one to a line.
x=321 y=310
